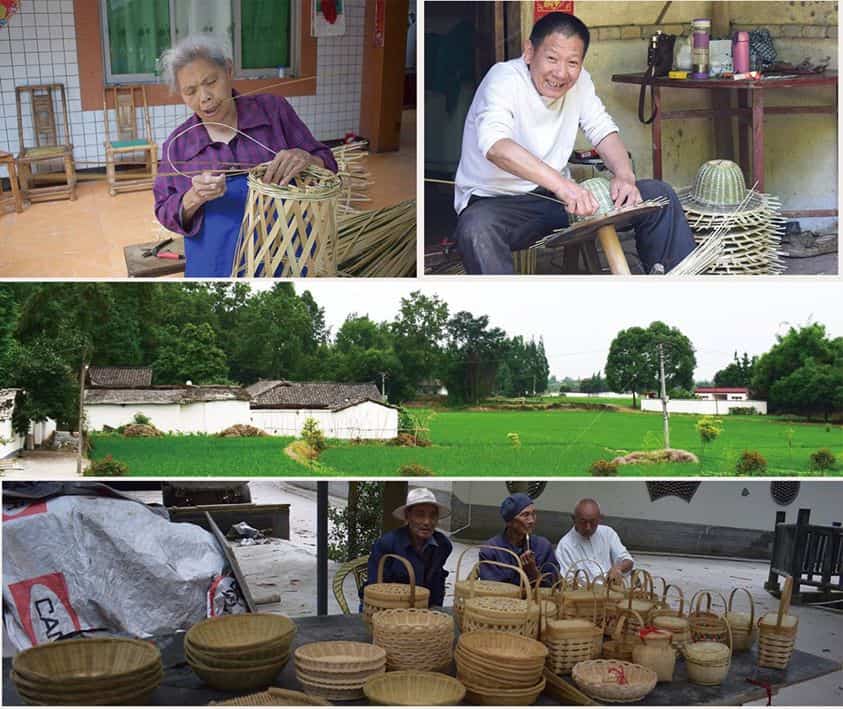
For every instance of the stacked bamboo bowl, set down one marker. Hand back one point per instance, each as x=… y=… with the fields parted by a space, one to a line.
x=239 y=652
x=88 y=671
x=500 y=668
x=414 y=638
x=338 y=669
x=411 y=688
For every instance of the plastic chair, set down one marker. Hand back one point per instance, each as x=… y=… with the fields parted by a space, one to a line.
x=359 y=567
x=128 y=140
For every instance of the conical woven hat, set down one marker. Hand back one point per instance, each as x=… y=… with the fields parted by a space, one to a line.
x=720 y=188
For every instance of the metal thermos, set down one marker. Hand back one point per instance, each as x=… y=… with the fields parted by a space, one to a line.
x=700 y=31
x=740 y=52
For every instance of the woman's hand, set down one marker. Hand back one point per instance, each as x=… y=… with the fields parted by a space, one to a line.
x=208 y=186
x=287 y=164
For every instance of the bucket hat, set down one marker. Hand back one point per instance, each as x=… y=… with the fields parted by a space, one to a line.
x=420 y=496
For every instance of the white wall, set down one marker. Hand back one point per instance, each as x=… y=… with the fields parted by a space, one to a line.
x=203 y=417
x=716 y=502
x=42 y=431
x=365 y=420
x=716 y=407
x=10 y=442
x=39 y=46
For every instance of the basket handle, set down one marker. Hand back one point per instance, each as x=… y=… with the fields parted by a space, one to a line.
x=784 y=603
x=696 y=601
x=681 y=598
x=525 y=582
x=641 y=578
x=485 y=546
x=575 y=576
x=410 y=573
x=751 y=603
x=665 y=584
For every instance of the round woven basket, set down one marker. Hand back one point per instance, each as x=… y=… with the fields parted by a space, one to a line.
x=339 y=657
x=238 y=634
x=704 y=623
x=274 y=697
x=509 y=697
x=382 y=596
x=707 y=662
x=473 y=587
x=678 y=628
x=614 y=680
x=504 y=649
x=742 y=624
x=240 y=680
x=414 y=638
x=244 y=661
x=410 y=688
x=133 y=695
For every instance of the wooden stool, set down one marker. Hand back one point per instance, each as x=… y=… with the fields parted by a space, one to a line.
x=8 y=160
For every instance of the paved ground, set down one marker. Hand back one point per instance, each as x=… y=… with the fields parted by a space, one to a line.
x=41 y=465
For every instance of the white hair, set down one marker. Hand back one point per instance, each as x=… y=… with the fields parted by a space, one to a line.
x=213 y=48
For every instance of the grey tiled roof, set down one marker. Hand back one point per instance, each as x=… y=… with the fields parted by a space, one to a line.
x=119 y=377
x=311 y=395
x=166 y=395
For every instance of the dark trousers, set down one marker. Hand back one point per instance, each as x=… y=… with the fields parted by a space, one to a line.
x=489 y=229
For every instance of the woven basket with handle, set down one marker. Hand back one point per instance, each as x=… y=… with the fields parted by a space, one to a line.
x=512 y=615
x=707 y=662
x=381 y=596
x=703 y=622
x=473 y=587
x=742 y=624
x=572 y=640
x=777 y=633
x=621 y=644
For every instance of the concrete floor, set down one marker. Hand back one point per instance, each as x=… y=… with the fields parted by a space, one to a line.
x=85 y=238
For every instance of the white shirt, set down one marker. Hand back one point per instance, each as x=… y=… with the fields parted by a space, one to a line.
x=602 y=550
x=507 y=105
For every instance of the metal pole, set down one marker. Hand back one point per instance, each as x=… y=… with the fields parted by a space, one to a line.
x=322 y=548
x=81 y=445
x=773 y=578
x=665 y=414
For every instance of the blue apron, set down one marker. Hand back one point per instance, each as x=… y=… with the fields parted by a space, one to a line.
x=210 y=254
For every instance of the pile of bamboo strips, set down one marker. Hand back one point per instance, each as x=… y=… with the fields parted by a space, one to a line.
x=355 y=176
x=379 y=242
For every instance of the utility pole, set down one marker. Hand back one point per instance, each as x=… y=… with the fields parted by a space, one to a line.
x=383 y=385
x=665 y=414
x=81 y=417
x=534 y=385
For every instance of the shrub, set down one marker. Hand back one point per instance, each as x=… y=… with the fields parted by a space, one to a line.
x=107 y=467
x=743 y=411
x=514 y=439
x=141 y=430
x=751 y=463
x=242 y=430
x=709 y=428
x=603 y=468
x=415 y=470
x=823 y=459
x=142 y=419
x=313 y=435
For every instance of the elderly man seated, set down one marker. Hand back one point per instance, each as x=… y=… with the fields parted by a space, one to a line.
x=419 y=542
x=593 y=545
x=536 y=553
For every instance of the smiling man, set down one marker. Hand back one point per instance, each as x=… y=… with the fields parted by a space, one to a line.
x=518 y=136
x=536 y=553
x=419 y=542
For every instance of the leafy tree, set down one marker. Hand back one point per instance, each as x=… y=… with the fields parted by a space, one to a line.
x=355 y=527
x=418 y=337
x=473 y=354
x=50 y=388
x=593 y=384
x=191 y=354
x=736 y=374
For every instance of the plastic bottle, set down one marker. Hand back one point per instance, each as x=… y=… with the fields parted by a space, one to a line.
x=700 y=30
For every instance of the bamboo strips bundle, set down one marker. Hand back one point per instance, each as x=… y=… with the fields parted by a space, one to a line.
x=355 y=176
x=379 y=242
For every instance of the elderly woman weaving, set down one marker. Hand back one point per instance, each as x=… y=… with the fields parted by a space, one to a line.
x=193 y=195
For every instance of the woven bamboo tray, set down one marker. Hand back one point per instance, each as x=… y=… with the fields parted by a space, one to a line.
x=613 y=680
x=568 y=694
x=339 y=657
x=508 y=697
x=503 y=648
x=414 y=638
x=79 y=664
x=777 y=633
x=742 y=624
x=409 y=688
x=274 y=697
x=381 y=596
x=237 y=634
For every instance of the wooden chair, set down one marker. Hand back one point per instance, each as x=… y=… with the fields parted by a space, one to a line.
x=358 y=567
x=124 y=100
x=49 y=147
x=8 y=160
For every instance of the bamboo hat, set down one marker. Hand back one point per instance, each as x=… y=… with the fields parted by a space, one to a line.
x=719 y=189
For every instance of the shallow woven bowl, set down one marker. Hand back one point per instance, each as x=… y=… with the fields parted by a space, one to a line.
x=274 y=697
x=153 y=676
x=492 y=675
x=339 y=656
x=412 y=618
x=337 y=694
x=503 y=648
x=358 y=679
x=508 y=697
x=238 y=680
x=234 y=634
x=136 y=693
x=244 y=661
x=600 y=679
x=88 y=662
x=226 y=664
x=410 y=688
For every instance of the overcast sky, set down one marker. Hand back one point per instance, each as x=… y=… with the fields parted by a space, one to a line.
x=579 y=318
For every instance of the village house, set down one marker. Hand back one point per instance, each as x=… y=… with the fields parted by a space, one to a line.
x=722 y=393
x=341 y=410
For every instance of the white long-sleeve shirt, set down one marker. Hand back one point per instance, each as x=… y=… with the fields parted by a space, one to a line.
x=600 y=552
x=507 y=105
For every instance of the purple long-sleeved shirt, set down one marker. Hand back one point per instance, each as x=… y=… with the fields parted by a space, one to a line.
x=267 y=118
